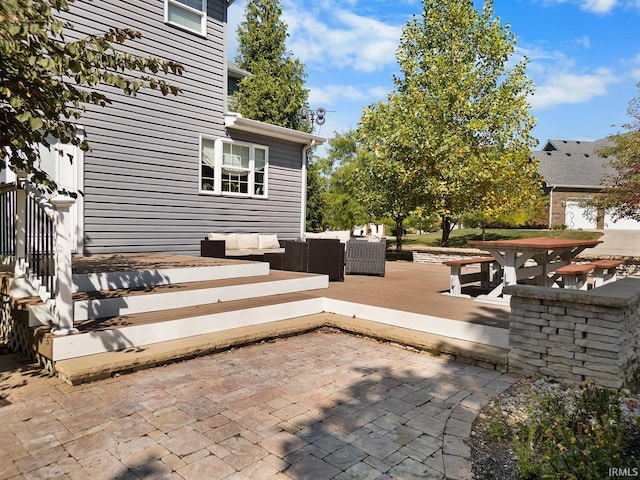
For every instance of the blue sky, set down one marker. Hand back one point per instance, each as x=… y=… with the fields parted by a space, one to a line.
x=584 y=57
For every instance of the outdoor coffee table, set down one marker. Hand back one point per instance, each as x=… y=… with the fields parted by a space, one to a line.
x=512 y=256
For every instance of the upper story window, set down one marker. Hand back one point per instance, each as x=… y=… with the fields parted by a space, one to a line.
x=188 y=14
x=233 y=168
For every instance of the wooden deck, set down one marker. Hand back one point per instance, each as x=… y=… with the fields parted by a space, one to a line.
x=417 y=288
x=411 y=310
x=410 y=287
x=134 y=261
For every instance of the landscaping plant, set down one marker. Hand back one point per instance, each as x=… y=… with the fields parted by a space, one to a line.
x=560 y=432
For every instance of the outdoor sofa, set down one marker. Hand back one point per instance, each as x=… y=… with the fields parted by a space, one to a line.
x=240 y=245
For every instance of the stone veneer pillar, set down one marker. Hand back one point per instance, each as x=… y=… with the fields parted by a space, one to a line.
x=574 y=335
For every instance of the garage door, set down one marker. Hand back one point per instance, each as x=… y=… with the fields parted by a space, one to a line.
x=577 y=217
x=620 y=224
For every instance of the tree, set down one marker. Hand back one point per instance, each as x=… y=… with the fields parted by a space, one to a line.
x=316 y=196
x=623 y=198
x=389 y=184
x=343 y=207
x=274 y=92
x=461 y=129
x=46 y=82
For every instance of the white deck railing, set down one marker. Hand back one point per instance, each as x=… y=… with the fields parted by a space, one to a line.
x=35 y=237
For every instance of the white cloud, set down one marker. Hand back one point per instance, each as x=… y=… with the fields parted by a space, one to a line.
x=595 y=6
x=599 y=6
x=335 y=94
x=572 y=88
x=342 y=39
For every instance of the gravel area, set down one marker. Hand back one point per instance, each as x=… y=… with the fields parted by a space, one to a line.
x=496 y=460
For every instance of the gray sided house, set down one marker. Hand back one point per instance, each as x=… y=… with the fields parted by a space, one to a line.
x=165 y=171
x=574 y=172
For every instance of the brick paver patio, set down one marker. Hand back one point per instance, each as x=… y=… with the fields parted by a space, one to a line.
x=323 y=405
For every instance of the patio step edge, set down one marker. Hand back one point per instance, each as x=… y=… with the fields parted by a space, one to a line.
x=105 y=365
x=177 y=324
x=140 y=302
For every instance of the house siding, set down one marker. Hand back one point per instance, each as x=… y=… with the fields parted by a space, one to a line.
x=141 y=188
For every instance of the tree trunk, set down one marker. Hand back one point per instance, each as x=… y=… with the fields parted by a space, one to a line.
x=484 y=232
x=399 y=232
x=446 y=230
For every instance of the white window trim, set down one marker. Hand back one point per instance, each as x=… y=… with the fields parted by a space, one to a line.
x=202 y=13
x=218 y=151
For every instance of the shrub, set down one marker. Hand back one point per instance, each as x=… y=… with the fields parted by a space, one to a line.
x=570 y=433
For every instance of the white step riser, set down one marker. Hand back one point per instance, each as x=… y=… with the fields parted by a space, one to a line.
x=111 y=307
x=73 y=346
x=92 y=282
x=166 y=301
x=470 y=332
x=137 y=336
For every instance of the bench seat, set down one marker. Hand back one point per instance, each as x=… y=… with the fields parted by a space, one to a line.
x=576 y=275
x=605 y=271
x=457 y=278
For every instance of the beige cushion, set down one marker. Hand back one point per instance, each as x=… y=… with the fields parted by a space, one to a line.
x=268 y=241
x=248 y=240
x=342 y=235
x=238 y=252
x=216 y=236
x=232 y=241
x=306 y=235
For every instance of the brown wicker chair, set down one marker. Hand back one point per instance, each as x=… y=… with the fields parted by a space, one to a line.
x=316 y=255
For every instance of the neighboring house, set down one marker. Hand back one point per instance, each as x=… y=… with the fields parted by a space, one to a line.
x=165 y=171
x=574 y=172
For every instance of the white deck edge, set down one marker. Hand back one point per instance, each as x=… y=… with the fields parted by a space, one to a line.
x=72 y=346
x=470 y=332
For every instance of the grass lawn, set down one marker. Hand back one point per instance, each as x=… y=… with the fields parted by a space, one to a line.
x=459 y=238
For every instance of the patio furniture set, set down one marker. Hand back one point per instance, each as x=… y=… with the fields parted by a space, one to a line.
x=330 y=253
x=543 y=261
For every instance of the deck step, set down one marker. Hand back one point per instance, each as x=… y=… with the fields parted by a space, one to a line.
x=110 y=280
x=141 y=329
x=105 y=365
x=109 y=303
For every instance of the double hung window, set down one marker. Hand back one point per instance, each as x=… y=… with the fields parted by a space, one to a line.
x=188 y=14
x=233 y=168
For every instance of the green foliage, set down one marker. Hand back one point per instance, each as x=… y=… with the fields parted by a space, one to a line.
x=455 y=135
x=47 y=82
x=389 y=184
x=342 y=209
x=623 y=198
x=316 y=197
x=274 y=92
x=421 y=221
x=568 y=433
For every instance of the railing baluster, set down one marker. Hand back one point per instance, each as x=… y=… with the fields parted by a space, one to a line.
x=36 y=233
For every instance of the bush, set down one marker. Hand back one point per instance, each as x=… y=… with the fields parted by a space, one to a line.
x=569 y=433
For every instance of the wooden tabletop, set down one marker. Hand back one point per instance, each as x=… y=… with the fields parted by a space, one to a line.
x=541 y=243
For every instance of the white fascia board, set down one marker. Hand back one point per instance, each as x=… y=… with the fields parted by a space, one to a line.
x=580 y=187
x=238 y=122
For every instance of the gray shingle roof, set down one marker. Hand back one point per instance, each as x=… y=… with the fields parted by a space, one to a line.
x=574 y=163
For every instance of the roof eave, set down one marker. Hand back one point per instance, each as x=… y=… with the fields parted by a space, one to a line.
x=578 y=187
x=238 y=122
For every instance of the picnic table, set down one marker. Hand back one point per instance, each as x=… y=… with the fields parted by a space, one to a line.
x=546 y=254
